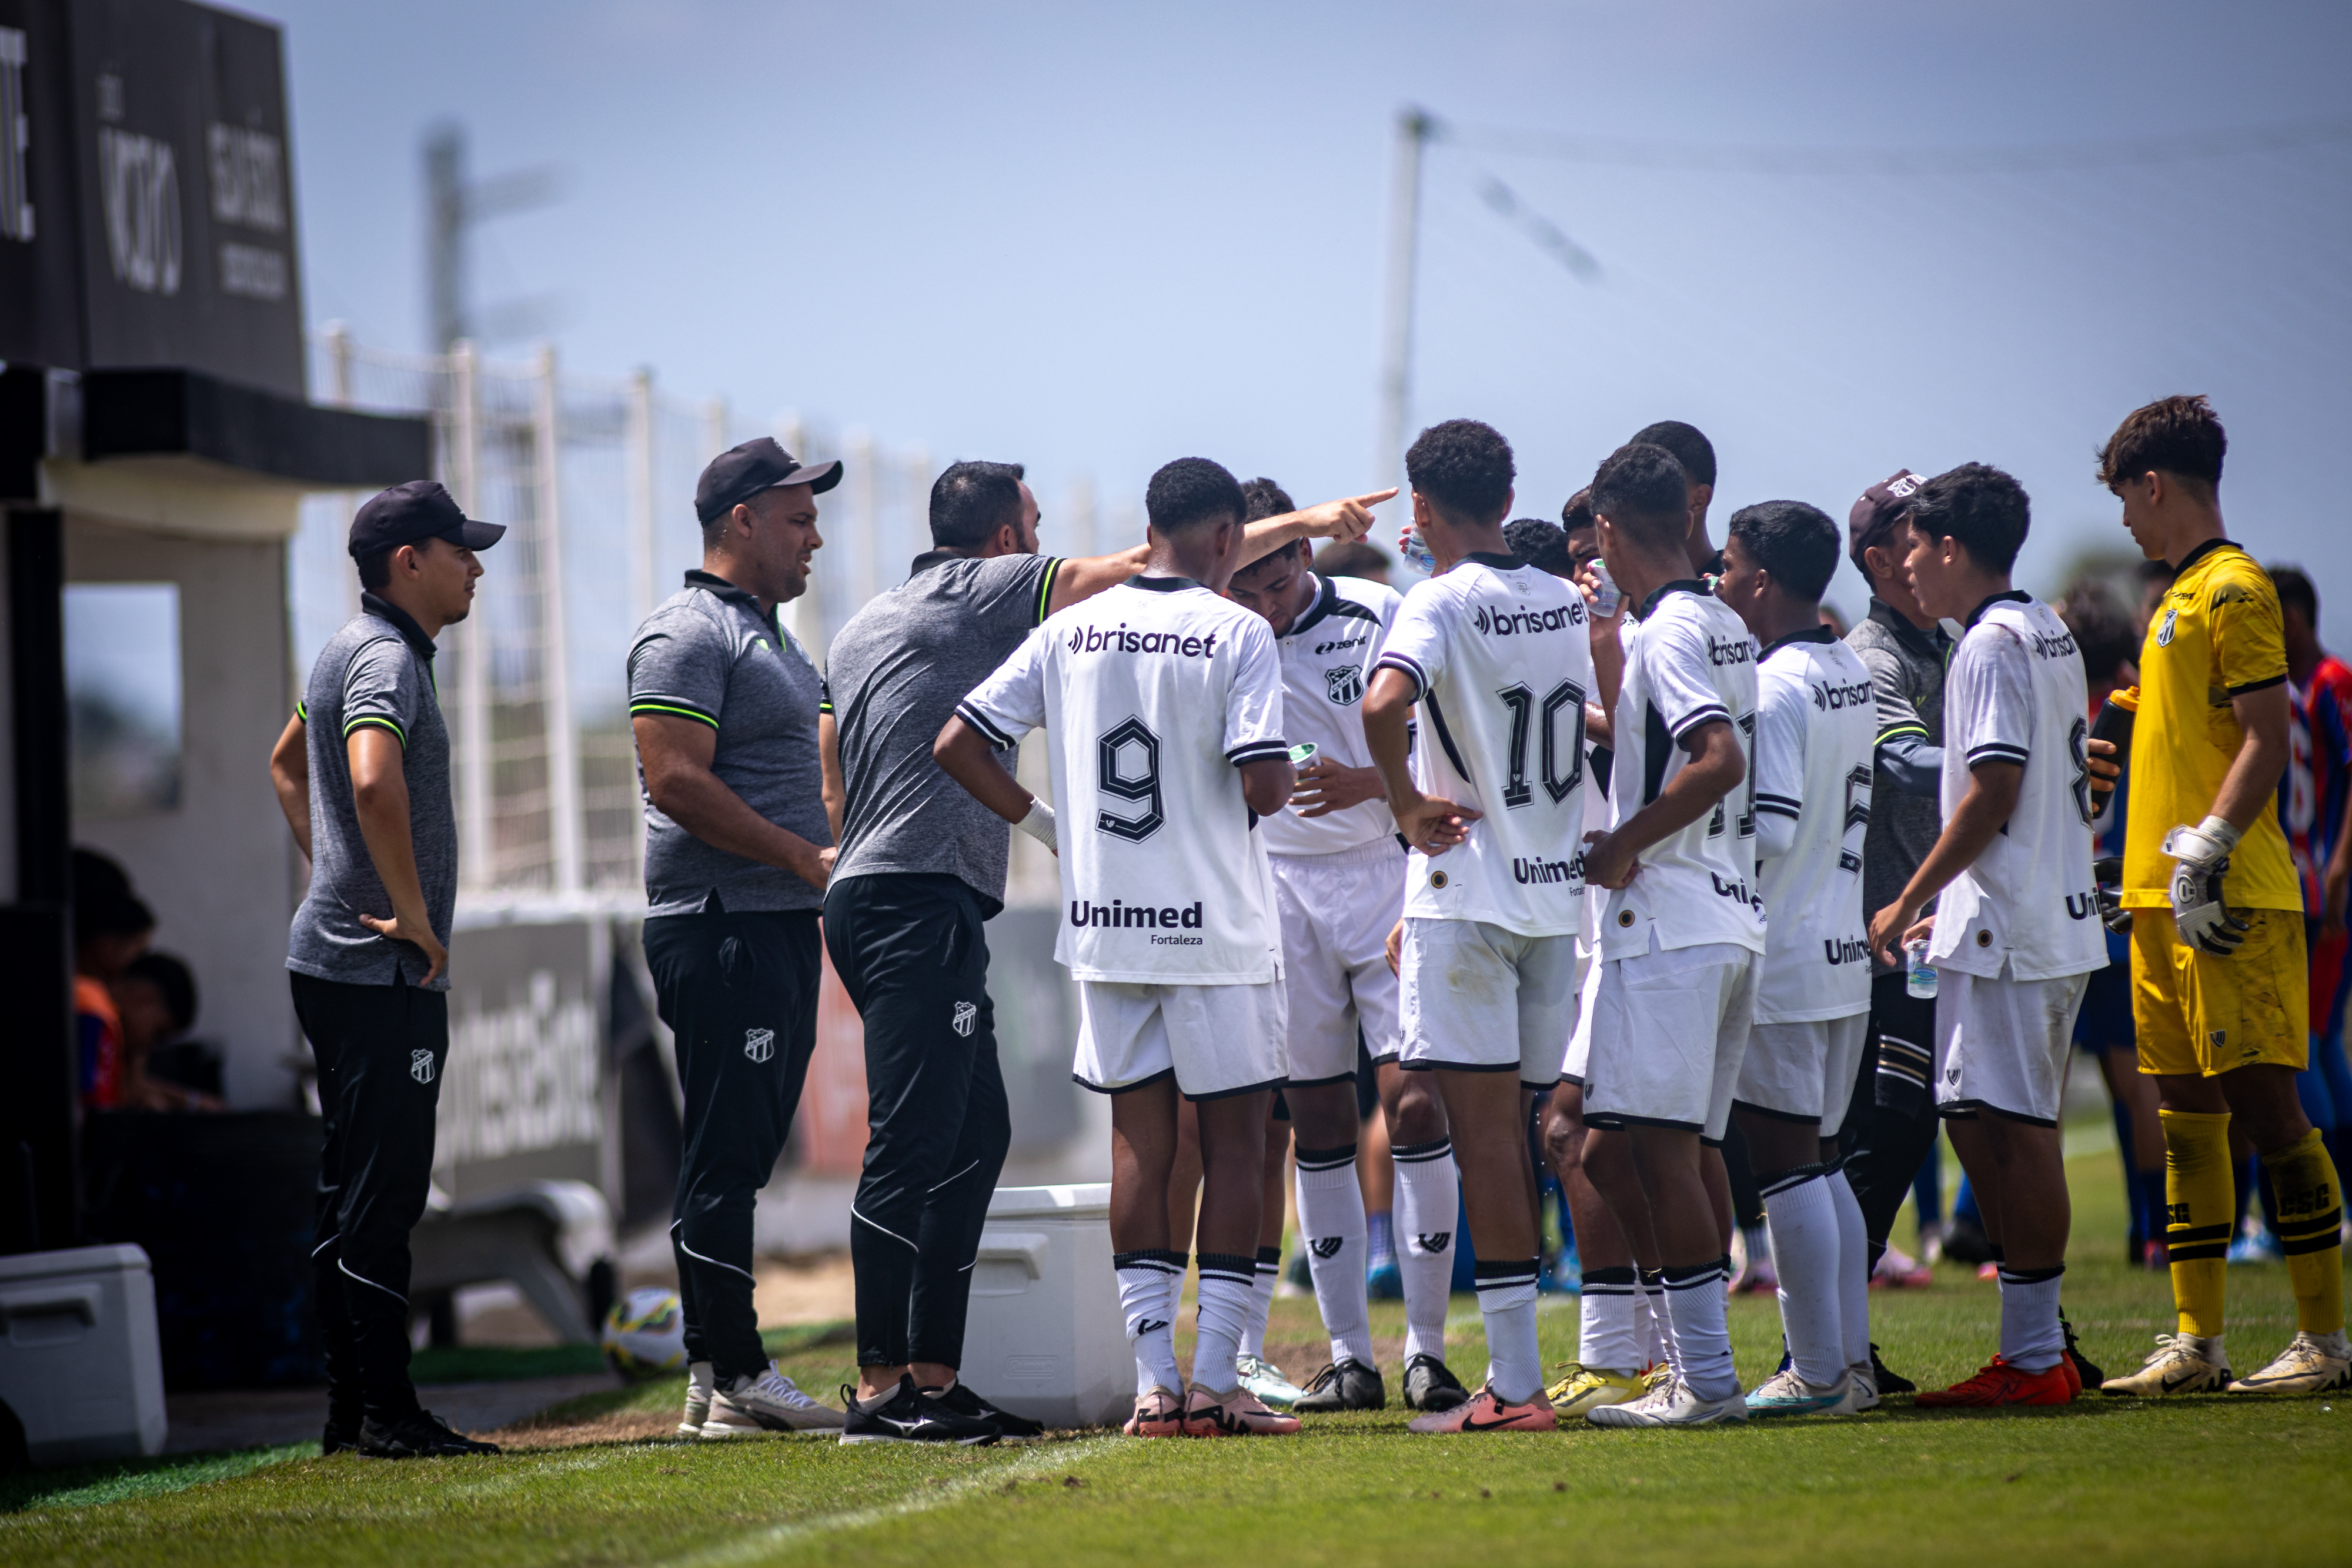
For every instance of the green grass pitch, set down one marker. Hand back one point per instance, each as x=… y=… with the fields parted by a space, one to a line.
x=2211 y=1481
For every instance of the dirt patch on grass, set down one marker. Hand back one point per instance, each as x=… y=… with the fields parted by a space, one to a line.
x=553 y=1430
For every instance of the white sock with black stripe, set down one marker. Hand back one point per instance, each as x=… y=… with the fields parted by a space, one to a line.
x=1506 y=1299
x=1428 y=1204
x=1694 y=1300
x=1270 y=1270
x=2030 y=1337
x=1331 y=1216
x=1227 y=1280
x=1658 y=1327
x=1148 y=1283
x=1607 y=1339
x=1853 y=1268
x=1806 y=1252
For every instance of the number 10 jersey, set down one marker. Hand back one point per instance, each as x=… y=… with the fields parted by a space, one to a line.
x=1500 y=657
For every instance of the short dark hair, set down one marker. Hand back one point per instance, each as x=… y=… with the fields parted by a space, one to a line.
x=2102 y=627
x=1578 y=513
x=1642 y=489
x=1190 y=492
x=972 y=499
x=1693 y=450
x=1265 y=500
x=172 y=982
x=1794 y=541
x=1987 y=510
x=375 y=571
x=2180 y=436
x=1540 y=543
x=2295 y=587
x=1464 y=468
x=1352 y=558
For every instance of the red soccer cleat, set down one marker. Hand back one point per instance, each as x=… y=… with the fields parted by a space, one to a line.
x=1999 y=1383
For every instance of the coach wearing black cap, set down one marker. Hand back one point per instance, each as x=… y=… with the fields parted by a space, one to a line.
x=723 y=703
x=362 y=771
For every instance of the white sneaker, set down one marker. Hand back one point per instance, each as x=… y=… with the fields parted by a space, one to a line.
x=768 y=1402
x=1786 y=1394
x=1671 y=1403
x=2182 y=1364
x=1861 y=1390
x=1264 y=1379
x=2313 y=1364
x=698 y=1400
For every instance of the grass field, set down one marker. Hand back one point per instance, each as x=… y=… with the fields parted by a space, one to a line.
x=2209 y=1481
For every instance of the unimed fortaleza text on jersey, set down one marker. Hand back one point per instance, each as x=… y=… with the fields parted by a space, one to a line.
x=1689 y=662
x=1327 y=661
x=1500 y=657
x=1816 y=737
x=1152 y=693
x=2016 y=694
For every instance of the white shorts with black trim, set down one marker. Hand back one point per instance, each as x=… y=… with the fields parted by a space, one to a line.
x=1579 y=1038
x=1336 y=911
x=1802 y=1072
x=2001 y=1044
x=1479 y=999
x=1215 y=1039
x=1669 y=1028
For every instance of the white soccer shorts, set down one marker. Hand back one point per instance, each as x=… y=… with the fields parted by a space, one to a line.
x=1479 y=998
x=1336 y=911
x=1215 y=1039
x=2001 y=1044
x=1802 y=1072
x=1669 y=1031
x=1579 y=1038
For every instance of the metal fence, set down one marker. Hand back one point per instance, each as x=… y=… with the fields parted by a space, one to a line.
x=593 y=476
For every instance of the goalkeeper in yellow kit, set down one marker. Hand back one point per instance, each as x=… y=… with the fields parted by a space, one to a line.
x=2219 y=990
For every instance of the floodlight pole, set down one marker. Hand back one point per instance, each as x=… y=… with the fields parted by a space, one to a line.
x=1414 y=127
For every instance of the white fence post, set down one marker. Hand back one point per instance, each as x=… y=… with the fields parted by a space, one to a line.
x=555 y=645
x=474 y=838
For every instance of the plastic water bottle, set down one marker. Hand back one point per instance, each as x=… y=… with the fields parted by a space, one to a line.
x=1416 y=550
x=1302 y=754
x=1606 y=598
x=1919 y=975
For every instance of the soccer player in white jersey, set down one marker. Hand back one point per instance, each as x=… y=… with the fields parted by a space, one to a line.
x=2016 y=931
x=1338 y=884
x=1498 y=655
x=1163 y=700
x=1815 y=740
x=1683 y=930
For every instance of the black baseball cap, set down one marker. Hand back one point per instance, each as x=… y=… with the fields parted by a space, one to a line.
x=420 y=509
x=739 y=473
x=1879 y=509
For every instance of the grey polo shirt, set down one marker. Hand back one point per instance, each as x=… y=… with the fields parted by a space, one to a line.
x=1907 y=666
x=707 y=655
x=894 y=675
x=375 y=672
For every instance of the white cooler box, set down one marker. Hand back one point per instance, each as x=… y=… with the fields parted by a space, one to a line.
x=1045 y=1338
x=80 y=1363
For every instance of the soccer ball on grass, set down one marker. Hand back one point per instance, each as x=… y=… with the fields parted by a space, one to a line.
x=645 y=1333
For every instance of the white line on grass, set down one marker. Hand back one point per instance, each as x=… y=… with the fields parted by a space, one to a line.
x=763 y=1543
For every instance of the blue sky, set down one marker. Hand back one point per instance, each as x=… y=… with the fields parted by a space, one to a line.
x=1095 y=237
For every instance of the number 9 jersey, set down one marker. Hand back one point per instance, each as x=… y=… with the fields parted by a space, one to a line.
x=1500 y=657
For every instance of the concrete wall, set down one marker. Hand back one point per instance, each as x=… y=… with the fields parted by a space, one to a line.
x=219 y=869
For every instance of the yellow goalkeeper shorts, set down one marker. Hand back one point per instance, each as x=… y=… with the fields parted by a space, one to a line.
x=2199 y=1014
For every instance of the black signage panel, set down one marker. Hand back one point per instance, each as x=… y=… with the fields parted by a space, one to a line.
x=40 y=294
x=188 y=253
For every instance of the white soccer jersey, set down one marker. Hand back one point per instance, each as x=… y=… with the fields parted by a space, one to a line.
x=1327 y=660
x=2016 y=694
x=1500 y=657
x=1816 y=732
x=1152 y=693
x=1688 y=662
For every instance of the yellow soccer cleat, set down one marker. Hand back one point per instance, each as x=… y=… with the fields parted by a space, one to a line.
x=1589 y=1388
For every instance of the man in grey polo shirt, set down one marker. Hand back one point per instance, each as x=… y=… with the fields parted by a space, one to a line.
x=363 y=774
x=922 y=867
x=723 y=705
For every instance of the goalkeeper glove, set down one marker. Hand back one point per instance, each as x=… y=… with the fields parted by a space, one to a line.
x=2202 y=852
x=2108 y=874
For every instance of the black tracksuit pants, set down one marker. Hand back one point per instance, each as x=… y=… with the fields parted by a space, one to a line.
x=738 y=993
x=379 y=1052
x=912 y=954
x=1892 y=1123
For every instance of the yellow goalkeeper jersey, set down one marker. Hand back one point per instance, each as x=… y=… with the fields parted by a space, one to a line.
x=2215 y=636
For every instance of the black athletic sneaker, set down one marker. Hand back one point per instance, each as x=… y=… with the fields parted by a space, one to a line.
x=343 y=1431
x=2083 y=1366
x=904 y=1415
x=1889 y=1382
x=419 y=1435
x=1430 y=1385
x=1345 y=1385
x=959 y=1397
